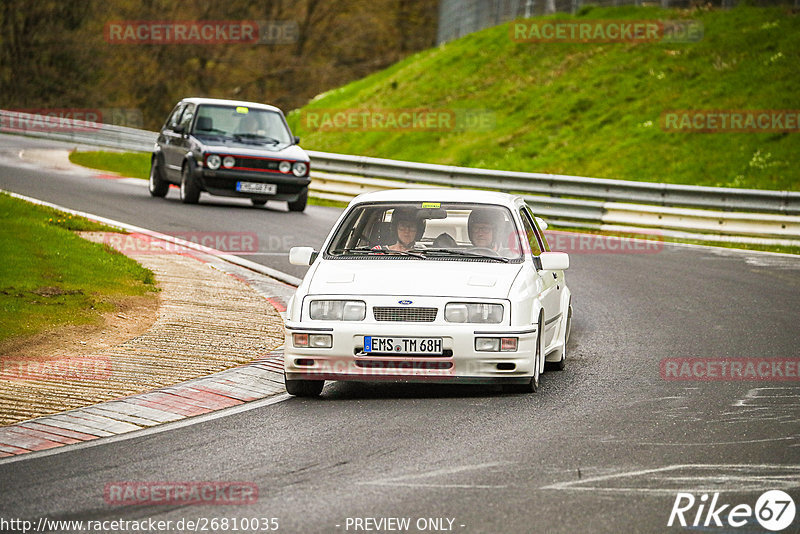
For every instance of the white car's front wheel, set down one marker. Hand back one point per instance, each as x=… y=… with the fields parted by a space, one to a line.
x=560 y=364
x=533 y=384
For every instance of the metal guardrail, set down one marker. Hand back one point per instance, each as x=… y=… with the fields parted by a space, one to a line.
x=720 y=198
x=758 y=228
x=566 y=200
x=77 y=131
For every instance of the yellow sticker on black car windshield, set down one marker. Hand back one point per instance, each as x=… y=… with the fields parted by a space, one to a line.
x=431 y=204
x=243 y=110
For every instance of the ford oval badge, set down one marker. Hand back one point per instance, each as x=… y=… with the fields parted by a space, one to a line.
x=405 y=302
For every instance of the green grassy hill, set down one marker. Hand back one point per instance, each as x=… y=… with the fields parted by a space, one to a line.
x=592 y=109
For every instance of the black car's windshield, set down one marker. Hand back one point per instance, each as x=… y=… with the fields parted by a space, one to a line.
x=242 y=123
x=428 y=231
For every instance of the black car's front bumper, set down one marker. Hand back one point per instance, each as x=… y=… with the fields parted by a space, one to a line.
x=223 y=182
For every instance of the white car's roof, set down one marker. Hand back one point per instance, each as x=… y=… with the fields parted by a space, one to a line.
x=438 y=195
x=223 y=102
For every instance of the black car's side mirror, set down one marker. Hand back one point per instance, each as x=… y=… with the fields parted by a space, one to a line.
x=296 y=140
x=179 y=128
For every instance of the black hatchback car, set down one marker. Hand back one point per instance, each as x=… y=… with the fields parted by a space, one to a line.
x=230 y=148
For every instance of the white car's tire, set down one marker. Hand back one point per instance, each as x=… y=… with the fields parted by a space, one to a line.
x=304 y=388
x=538 y=363
x=560 y=364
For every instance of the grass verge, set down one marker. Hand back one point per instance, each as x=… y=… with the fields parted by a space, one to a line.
x=51 y=277
x=133 y=164
x=583 y=109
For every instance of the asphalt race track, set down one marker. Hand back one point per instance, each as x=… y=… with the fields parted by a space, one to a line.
x=604 y=446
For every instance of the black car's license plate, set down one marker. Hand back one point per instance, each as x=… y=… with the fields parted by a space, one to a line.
x=403 y=345
x=256 y=187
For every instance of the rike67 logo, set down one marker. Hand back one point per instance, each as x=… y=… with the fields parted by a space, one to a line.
x=774 y=511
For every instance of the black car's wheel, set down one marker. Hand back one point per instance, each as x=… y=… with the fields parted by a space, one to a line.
x=300 y=203
x=304 y=388
x=258 y=202
x=190 y=191
x=158 y=185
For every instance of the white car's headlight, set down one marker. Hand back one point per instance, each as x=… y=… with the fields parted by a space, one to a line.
x=228 y=162
x=285 y=167
x=213 y=161
x=496 y=344
x=299 y=168
x=471 y=312
x=338 y=310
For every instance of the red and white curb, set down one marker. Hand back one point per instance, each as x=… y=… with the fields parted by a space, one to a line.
x=256 y=380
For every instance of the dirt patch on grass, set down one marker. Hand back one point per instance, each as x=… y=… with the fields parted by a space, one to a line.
x=132 y=317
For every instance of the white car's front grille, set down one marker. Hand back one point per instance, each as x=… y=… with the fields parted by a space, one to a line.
x=409 y=315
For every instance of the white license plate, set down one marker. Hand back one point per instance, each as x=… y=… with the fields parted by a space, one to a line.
x=403 y=345
x=255 y=187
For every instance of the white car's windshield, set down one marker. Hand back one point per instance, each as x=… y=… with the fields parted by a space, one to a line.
x=241 y=123
x=428 y=230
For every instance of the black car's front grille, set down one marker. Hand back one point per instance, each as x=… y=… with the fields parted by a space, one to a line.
x=256 y=164
x=410 y=315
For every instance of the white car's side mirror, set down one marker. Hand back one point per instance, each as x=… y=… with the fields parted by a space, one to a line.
x=554 y=261
x=542 y=223
x=302 y=255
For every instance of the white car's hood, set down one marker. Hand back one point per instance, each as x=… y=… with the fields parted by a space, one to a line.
x=413 y=277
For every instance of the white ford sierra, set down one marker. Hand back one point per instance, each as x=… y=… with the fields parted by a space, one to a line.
x=434 y=285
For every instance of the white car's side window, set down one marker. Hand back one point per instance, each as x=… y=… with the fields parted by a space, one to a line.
x=530 y=233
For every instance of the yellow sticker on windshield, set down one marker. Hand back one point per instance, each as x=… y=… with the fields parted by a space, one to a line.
x=243 y=110
x=431 y=204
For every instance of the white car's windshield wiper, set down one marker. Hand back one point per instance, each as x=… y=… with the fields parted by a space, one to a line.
x=378 y=250
x=456 y=252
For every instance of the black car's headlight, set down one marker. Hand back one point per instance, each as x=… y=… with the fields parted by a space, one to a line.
x=473 y=312
x=299 y=168
x=228 y=162
x=213 y=161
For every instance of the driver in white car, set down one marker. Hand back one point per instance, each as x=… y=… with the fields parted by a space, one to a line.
x=483 y=229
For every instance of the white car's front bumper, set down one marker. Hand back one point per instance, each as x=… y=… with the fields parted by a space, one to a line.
x=345 y=360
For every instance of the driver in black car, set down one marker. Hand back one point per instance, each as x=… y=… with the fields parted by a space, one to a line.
x=249 y=125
